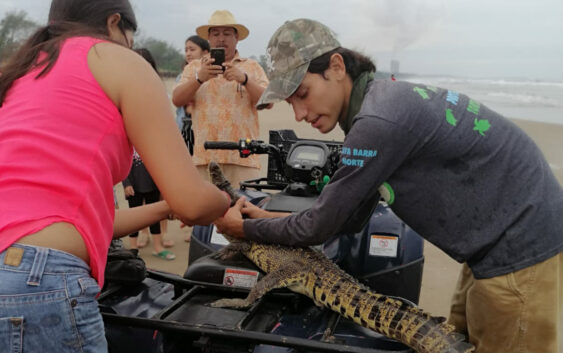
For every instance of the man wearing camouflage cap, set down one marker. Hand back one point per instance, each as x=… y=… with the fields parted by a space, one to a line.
x=289 y=55
x=459 y=174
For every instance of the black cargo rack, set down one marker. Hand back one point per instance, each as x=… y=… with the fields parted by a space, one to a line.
x=182 y=322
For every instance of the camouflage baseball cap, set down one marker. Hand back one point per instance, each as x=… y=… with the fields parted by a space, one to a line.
x=290 y=50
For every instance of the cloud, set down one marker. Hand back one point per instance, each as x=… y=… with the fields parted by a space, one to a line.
x=446 y=34
x=397 y=25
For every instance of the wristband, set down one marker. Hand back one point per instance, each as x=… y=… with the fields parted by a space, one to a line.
x=245 y=79
x=197 y=79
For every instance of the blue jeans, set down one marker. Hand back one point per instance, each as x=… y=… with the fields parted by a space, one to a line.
x=48 y=303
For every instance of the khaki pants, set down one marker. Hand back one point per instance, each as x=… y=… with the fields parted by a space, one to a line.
x=521 y=312
x=234 y=173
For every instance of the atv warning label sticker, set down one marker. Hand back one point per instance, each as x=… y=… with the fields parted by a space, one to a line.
x=240 y=278
x=383 y=245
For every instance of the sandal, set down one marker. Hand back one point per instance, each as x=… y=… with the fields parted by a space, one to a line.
x=165 y=255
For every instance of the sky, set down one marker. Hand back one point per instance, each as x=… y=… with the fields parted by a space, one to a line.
x=497 y=39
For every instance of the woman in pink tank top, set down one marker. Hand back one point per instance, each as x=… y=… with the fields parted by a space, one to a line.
x=74 y=100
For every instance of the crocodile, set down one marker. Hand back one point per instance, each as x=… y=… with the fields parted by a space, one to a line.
x=309 y=272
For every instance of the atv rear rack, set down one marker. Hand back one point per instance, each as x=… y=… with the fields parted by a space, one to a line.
x=187 y=322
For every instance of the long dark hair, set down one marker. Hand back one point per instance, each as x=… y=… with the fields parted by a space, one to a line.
x=200 y=42
x=355 y=62
x=147 y=55
x=67 y=18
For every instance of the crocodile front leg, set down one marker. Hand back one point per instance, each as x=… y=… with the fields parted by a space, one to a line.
x=290 y=275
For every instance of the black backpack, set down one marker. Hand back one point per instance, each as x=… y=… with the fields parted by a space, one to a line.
x=124 y=266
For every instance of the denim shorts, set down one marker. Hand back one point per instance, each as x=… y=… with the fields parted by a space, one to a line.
x=48 y=303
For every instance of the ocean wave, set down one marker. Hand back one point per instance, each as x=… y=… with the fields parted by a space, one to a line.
x=491 y=82
x=526 y=99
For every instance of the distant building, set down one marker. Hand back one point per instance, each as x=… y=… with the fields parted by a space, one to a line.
x=394 y=66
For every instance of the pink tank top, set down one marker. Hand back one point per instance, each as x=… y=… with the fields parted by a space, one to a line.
x=62 y=148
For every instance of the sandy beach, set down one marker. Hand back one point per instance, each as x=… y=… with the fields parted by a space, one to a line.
x=440 y=272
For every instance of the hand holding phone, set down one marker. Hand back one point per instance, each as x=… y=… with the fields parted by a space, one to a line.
x=219 y=55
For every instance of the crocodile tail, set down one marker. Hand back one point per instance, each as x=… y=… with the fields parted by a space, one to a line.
x=397 y=319
x=219 y=180
x=417 y=329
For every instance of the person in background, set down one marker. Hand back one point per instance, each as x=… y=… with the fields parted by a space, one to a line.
x=195 y=48
x=462 y=176
x=223 y=101
x=74 y=101
x=139 y=188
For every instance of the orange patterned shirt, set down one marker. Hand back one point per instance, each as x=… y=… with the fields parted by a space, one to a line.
x=223 y=111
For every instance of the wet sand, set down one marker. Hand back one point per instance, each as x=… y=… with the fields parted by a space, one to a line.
x=440 y=272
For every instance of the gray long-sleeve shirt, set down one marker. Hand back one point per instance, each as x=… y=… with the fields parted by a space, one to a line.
x=462 y=176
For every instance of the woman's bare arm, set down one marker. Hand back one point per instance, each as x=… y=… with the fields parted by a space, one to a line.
x=141 y=97
x=129 y=220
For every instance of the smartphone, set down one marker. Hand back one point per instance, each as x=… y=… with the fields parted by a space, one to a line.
x=219 y=55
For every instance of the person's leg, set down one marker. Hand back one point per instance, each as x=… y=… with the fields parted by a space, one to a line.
x=134 y=201
x=159 y=251
x=518 y=312
x=459 y=300
x=144 y=238
x=166 y=241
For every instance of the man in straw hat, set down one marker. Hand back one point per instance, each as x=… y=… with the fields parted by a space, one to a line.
x=223 y=98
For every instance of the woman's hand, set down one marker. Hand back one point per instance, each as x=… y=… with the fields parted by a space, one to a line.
x=231 y=223
x=129 y=191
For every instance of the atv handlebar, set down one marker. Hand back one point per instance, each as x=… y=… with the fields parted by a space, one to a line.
x=247 y=147
x=220 y=145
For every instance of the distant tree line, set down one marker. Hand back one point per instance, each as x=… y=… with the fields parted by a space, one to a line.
x=16 y=27
x=169 y=60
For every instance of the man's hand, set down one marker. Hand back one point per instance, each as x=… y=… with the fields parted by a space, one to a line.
x=208 y=70
x=231 y=223
x=232 y=73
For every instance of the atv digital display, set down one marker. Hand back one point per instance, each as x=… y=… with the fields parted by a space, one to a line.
x=307 y=156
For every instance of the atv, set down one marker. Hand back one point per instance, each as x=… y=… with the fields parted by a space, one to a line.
x=169 y=313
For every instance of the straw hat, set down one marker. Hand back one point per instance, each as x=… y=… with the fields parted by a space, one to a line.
x=222 y=18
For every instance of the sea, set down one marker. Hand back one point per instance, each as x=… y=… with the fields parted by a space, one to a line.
x=534 y=100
